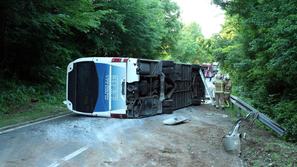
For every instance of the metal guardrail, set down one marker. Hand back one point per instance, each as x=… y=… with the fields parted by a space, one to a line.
x=252 y=112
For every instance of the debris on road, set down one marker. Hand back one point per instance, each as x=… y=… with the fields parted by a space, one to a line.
x=231 y=141
x=175 y=120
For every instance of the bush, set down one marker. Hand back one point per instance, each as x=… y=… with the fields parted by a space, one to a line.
x=285 y=114
x=15 y=95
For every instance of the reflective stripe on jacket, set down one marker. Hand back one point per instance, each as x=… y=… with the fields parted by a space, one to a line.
x=219 y=86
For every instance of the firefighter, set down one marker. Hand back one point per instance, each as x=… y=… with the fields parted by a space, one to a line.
x=227 y=90
x=219 y=91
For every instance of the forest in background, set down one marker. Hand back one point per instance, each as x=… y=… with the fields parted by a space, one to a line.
x=257 y=47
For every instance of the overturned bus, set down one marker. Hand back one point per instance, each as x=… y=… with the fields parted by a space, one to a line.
x=131 y=87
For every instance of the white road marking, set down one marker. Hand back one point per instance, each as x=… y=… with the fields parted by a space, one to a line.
x=33 y=123
x=75 y=153
x=54 y=164
x=70 y=156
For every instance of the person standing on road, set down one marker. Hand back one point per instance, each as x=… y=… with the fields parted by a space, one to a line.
x=219 y=91
x=227 y=90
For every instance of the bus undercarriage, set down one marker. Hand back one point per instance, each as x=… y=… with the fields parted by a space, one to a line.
x=160 y=88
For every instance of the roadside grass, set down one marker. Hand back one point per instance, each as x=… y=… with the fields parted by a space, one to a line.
x=262 y=147
x=30 y=112
x=21 y=102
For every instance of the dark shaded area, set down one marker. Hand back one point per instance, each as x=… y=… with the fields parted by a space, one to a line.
x=38 y=38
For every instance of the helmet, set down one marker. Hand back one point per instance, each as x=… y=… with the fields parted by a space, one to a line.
x=227 y=77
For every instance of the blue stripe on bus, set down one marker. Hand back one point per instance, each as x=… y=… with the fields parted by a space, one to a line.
x=103 y=72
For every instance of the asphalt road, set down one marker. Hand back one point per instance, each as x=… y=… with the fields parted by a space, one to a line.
x=76 y=140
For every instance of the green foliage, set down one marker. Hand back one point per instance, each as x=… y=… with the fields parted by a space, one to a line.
x=22 y=102
x=39 y=38
x=285 y=111
x=16 y=95
x=172 y=28
x=191 y=46
x=258 y=47
x=144 y=27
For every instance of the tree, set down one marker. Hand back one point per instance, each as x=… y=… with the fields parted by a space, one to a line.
x=192 y=46
x=172 y=27
x=261 y=54
x=41 y=37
